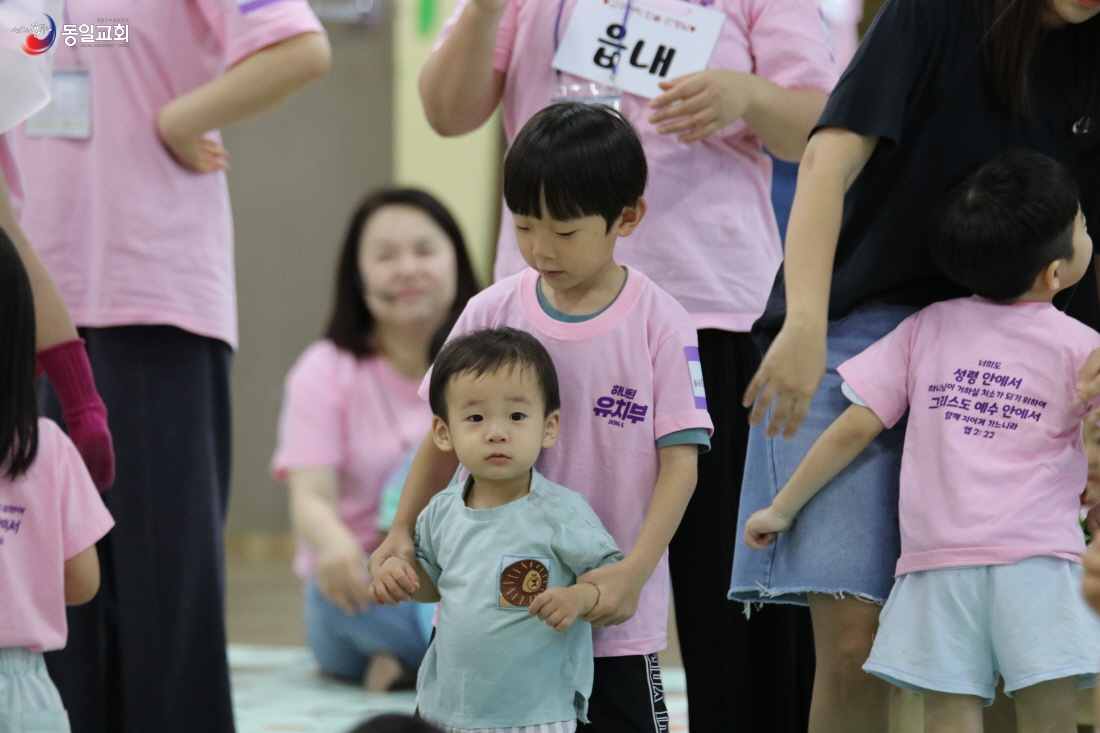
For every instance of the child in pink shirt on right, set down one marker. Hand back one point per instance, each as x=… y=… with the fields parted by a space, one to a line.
x=50 y=519
x=988 y=583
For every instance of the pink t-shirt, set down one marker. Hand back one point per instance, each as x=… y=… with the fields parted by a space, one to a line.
x=358 y=416
x=50 y=514
x=626 y=380
x=129 y=235
x=709 y=237
x=993 y=462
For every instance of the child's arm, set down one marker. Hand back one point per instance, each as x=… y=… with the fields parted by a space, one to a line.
x=559 y=607
x=429 y=474
x=459 y=88
x=620 y=584
x=836 y=448
x=425 y=592
x=81 y=577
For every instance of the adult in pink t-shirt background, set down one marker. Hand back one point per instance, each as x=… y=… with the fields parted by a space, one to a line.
x=710 y=240
x=133 y=222
x=352 y=413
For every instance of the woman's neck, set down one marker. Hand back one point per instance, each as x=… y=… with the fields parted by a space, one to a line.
x=405 y=347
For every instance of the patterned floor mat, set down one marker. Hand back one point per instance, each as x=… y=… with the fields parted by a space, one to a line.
x=279 y=689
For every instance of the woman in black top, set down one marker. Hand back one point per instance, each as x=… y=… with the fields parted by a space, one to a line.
x=937 y=87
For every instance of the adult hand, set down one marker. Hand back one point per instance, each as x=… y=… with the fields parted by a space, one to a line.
x=198 y=152
x=792 y=370
x=702 y=103
x=764 y=526
x=342 y=576
x=620 y=586
x=397 y=587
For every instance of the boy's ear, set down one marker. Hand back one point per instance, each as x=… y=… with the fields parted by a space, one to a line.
x=631 y=217
x=441 y=434
x=550 y=431
x=1049 y=278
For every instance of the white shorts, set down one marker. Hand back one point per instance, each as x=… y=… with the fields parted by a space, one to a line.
x=29 y=702
x=567 y=726
x=957 y=630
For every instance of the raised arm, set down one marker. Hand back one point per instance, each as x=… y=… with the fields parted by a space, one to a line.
x=259 y=82
x=830 y=454
x=794 y=365
x=429 y=474
x=459 y=87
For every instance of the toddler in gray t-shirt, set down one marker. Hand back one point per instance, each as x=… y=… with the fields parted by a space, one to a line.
x=502 y=551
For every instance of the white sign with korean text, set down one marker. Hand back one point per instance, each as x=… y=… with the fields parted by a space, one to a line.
x=658 y=41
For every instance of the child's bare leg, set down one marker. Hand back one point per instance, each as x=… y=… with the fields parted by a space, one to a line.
x=1048 y=707
x=948 y=713
x=846 y=699
x=383 y=670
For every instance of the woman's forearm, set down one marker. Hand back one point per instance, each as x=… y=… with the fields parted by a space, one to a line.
x=833 y=158
x=256 y=84
x=53 y=324
x=782 y=118
x=313 y=507
x=459 y=87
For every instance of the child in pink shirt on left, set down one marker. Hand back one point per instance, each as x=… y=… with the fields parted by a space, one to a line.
x=50 y=519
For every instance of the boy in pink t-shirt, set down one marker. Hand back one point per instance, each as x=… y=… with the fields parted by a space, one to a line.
x=993 y=466
x=633 y=407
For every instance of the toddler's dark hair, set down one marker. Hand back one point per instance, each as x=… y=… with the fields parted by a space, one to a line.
x=586 y=159
x=486 y=351
x=997 y=230
x=395 y=723
x=18 y=409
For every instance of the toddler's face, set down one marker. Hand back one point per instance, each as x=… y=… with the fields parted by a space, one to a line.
x=495 y=423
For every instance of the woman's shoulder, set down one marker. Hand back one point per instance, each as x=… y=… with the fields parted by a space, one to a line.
x=323 y=361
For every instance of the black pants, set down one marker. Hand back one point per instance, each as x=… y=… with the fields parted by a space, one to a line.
x=148 y=653
x=628 y=696
x=750 y=675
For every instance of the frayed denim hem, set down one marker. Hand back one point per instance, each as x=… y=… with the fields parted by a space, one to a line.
x=760 y=595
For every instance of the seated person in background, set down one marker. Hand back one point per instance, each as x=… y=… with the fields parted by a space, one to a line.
x=988 y=583
x=351 y=415
x=503 y=547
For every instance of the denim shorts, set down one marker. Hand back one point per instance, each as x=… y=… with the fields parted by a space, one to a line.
x=343 y=644
x=29 y=702
x=957 y=630
x=845 y=540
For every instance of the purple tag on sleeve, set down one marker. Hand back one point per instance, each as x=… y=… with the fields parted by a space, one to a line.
x=695 y=367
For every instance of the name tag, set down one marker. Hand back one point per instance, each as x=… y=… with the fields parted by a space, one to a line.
x=69 y=113
x=657 y=41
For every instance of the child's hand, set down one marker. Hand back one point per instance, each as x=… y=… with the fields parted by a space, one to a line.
x=396 y=581
x=198 y=153
x=400 y=545
x=763 y=527
x=619 y=585
x=560 y=607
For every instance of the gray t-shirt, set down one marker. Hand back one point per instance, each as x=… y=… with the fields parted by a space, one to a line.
x=491 y=665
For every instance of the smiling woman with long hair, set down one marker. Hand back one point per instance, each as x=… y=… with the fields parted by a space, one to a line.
x=937 y=88
x=352 y=414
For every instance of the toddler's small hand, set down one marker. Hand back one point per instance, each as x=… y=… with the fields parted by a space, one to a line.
x=395 y=582
x=558 y=607
x=763 y=527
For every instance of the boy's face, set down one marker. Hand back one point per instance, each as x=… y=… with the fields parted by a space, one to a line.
x=495 y=423
x=1076 y=267
x=570 y=253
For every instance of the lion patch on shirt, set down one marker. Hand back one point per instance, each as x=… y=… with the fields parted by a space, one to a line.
x=521 y=579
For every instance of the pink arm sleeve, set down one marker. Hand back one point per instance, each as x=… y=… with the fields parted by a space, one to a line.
x=789 y=46
x=506 y=34
x=676 y=405
x=246 y=26
x=312 y=422
x=880 y=374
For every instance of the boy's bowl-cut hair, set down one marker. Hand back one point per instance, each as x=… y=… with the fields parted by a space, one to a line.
x=998 y=229
x=486 y=351
x=586 y=159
